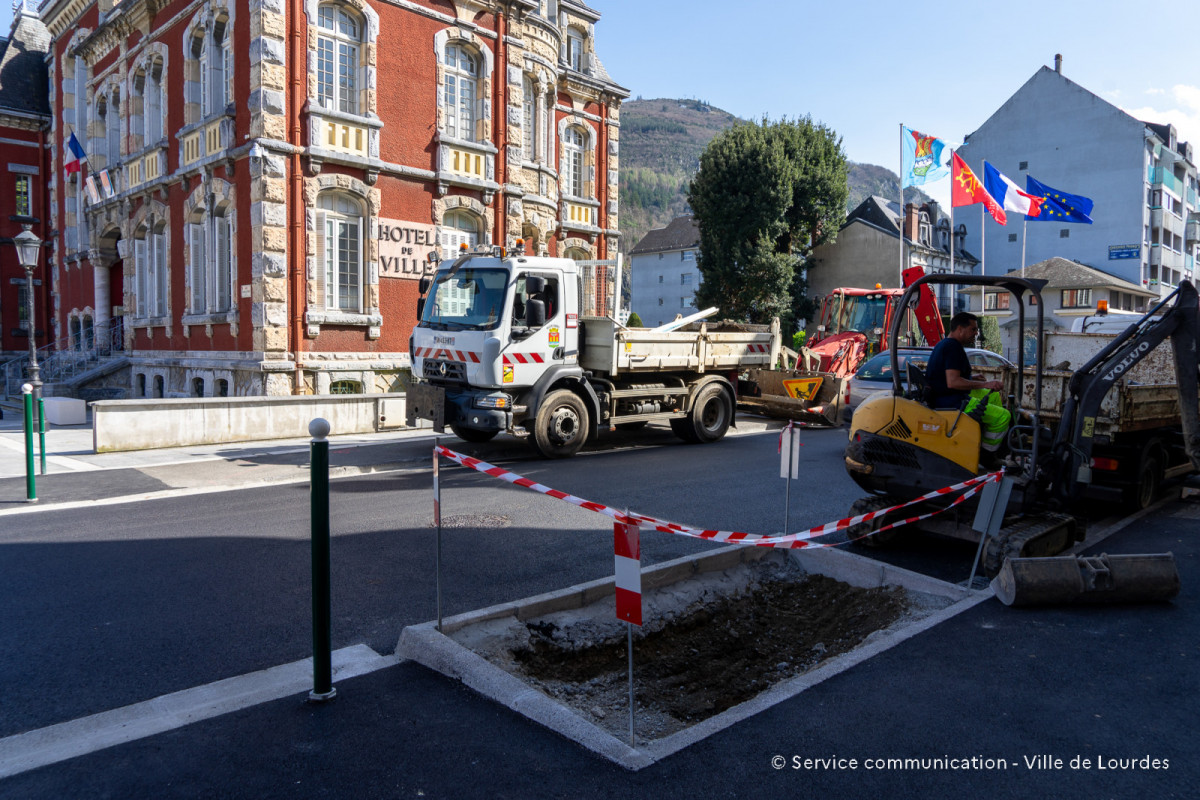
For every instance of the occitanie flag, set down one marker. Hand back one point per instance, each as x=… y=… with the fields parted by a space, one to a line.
x=966 y=190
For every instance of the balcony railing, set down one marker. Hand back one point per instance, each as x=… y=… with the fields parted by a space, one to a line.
x=1160 y=176
x=344 y=137
x=65 y=359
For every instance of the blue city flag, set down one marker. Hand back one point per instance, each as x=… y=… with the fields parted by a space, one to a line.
x=1059 y=206
x=923 y=158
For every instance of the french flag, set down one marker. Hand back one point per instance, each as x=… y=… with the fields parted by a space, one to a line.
x=1008 y=195
x=76 y=158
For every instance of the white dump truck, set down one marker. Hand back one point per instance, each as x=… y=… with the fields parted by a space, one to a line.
x=515 y=344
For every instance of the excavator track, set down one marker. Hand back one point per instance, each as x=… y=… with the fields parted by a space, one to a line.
x=1030 y=537
x=865 y=505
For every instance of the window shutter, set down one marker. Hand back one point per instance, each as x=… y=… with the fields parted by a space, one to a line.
x=321 y=259
x=142 y=300
x=224 y=279
x=227 y=69
x=160 y=272
x=199 y=296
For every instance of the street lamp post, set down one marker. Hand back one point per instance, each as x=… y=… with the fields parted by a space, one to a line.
x=28 y=249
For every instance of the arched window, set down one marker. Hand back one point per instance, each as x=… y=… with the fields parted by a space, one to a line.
x=345 y=387
x=343 y=250
x=76 y=334
x=574 y=140
x=458 y=228
x=338 y=40
x=461 y=90
x=197 y=387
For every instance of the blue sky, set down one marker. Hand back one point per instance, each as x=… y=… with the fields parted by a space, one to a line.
x=864 y=67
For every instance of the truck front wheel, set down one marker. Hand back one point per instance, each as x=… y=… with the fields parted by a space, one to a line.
x=561 y=426
x=472 y=435
x=709 y=418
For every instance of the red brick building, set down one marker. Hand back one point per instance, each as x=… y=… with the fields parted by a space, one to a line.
x=266 y=178
x=24 y=164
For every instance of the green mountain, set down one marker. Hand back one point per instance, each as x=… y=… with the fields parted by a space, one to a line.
x=661 y=143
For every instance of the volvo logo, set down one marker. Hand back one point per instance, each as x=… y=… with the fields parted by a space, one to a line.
x=1126 y=362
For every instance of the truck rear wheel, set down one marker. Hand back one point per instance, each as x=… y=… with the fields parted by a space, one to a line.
x=1149 y=479
x=709 y=418
x=561 y=426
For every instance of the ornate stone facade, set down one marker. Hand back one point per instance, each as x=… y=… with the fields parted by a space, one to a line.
x=256 y=206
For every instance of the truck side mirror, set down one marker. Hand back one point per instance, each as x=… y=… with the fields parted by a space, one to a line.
x=535 y=313
x=534 y=284
x=424 y=284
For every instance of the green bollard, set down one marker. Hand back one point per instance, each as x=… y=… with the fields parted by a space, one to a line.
x=319 y=511
x=42 y=432
x=30 y=484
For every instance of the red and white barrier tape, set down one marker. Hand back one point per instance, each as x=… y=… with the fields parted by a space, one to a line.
x=792 y=540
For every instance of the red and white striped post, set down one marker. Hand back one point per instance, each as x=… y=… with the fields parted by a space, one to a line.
x=627 y=553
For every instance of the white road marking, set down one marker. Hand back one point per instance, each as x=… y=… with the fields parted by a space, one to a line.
x=33 y=749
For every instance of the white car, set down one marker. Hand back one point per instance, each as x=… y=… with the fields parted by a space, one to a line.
x=875 y=374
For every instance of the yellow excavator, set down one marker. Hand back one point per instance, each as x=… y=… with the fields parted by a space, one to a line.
x=901 y=449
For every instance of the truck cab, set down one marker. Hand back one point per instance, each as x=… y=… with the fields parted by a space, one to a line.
x=491 y=329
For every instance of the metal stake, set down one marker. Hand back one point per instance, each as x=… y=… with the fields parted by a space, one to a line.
x=437 y=520
x=629 y=647
x=319 y=504
x=787 y=495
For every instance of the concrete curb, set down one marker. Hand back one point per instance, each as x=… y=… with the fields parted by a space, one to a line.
x=437 y=651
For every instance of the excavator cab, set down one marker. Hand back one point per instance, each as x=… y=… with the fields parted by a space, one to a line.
x=902 y=447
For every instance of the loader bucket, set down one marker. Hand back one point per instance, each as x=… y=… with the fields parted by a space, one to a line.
x=814 y=398
x=1142 y=578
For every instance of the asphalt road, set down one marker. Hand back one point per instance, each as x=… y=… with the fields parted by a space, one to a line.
x=117 y=604
x=112 y=605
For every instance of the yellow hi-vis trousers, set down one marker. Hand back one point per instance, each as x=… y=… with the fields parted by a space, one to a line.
x=996 y=418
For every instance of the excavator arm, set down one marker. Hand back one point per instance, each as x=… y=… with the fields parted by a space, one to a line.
x=1180 y=322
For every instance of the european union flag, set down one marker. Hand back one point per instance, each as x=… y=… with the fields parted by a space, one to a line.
x=1059 y=206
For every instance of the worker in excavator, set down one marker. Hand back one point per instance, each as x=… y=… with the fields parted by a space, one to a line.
x=949 y=377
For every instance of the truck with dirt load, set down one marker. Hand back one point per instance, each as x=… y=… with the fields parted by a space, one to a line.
x=516 y=344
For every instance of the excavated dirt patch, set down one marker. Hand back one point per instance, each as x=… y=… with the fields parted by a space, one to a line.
x=707 y=652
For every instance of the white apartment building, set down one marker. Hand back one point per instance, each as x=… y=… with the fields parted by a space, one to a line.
x=664 y=272
x=1146 y=220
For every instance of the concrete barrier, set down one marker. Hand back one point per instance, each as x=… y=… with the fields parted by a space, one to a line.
x=178 y=422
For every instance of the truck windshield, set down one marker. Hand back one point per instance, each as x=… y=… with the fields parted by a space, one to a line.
x=471 y=299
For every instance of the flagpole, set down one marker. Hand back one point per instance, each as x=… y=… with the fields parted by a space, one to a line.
x=982 y=256
x=952 y=301
x=901 y=284
x=1024 y=233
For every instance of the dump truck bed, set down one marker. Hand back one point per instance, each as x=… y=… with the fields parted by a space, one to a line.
x=1145 y=398
x=608 y=347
